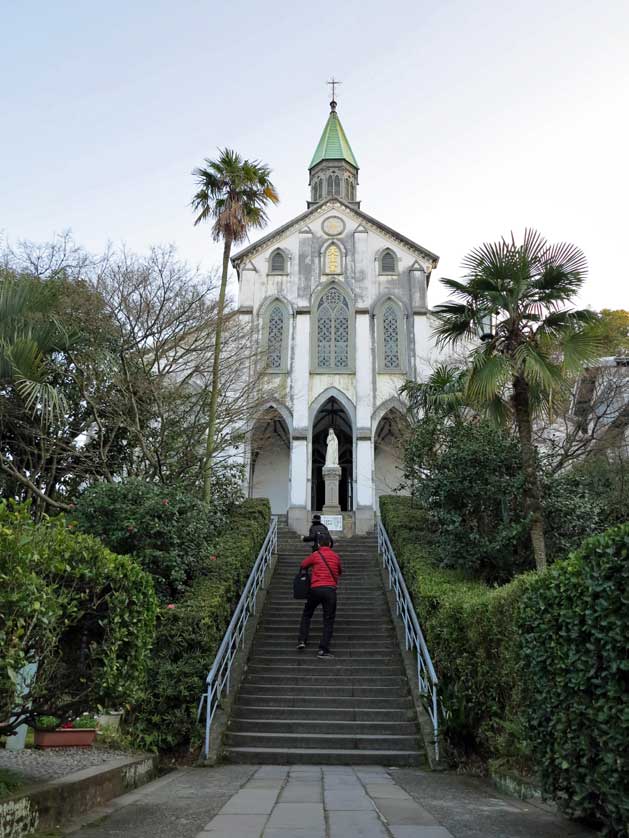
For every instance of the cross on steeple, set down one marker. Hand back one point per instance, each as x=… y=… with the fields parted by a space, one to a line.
x=333 y=83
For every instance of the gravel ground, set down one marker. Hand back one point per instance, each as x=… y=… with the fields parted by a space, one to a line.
x=50 y=764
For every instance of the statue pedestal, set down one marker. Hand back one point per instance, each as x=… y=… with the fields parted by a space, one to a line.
x=332 y=476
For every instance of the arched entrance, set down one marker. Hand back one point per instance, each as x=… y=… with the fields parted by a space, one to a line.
x=270 y=460
x=333 y=415
x=389 y=453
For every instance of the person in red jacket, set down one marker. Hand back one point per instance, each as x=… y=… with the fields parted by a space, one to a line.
x=326 y=569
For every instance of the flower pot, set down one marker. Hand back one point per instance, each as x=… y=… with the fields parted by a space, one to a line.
x=72 y=737
x=111 y=719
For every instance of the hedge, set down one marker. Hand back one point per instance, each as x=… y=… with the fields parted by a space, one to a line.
x=189 y=633
x=534 y=674
x=574 y=626
x=84 y=615
x=166 y=529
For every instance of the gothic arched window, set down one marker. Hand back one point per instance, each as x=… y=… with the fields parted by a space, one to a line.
x=330 y=184
x=276 y=337
x=337 y=185
x=320 y=188
x=351 y=192
x=391 y=345
x=278 y=263
x=333 y=331
x=388 y=262
x=346 y=189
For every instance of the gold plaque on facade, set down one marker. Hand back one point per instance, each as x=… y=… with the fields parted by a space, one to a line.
x=332 y=260
x=333 y=226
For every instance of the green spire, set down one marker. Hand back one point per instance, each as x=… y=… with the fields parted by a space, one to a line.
x=333 y=144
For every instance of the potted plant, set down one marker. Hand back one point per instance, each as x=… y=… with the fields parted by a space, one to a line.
x=80 y=733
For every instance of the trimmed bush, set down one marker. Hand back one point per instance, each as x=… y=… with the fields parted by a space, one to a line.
x=534 y=674
x=167 y=530
x=574 y=626
x=190 y=631
x=85 y=615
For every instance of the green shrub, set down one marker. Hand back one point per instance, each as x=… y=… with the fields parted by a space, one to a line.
x=468 y=476
x=574 y=626
x=189 y=633
x=85 y=615
x=164 y=528
x=573 y=511
x=533 y=674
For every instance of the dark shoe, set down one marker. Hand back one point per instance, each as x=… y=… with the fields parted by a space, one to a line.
x=301 y=645
x=322 y=654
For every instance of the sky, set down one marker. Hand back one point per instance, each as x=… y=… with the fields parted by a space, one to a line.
x=468 y=119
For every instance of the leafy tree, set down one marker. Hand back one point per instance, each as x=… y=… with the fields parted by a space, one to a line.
x=535 y=342
x=612 y=327
x=233 y=193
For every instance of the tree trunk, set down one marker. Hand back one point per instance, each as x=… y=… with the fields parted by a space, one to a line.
x=532 y=488
x=211 y=425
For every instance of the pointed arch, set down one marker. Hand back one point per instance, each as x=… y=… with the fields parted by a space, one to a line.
x=332 y=329
x=332 y=258
x=330 y=185
x=388 y=264
x=390 y=316
x=337 y=185
x=278 y=261
x=275 y=318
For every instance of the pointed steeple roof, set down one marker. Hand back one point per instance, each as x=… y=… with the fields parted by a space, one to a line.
x=333 y=144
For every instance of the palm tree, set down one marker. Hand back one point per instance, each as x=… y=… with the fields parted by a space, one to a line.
x=233 y=194
x=533 y=344
x=29 y=335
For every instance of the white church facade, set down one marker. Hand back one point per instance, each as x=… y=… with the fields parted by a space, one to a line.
x=337 y=303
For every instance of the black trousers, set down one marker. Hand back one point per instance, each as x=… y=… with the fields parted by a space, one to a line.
x=326 y=597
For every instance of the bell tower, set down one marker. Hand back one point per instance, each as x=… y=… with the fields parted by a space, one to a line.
x=333 y=169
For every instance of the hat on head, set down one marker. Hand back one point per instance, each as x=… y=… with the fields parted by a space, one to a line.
x=316 y=517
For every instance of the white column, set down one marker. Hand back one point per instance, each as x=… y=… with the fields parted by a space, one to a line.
x=301 y=370
x=298 y=472
x=364 y=377
x=364 y=473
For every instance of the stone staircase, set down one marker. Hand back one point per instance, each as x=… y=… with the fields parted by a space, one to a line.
x=352 y=709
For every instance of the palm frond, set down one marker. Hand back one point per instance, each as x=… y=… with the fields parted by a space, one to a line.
x=488 y=375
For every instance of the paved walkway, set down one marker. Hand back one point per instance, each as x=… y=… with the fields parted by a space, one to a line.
x=239 y=801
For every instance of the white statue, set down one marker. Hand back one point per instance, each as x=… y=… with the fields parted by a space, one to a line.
x=332 y=450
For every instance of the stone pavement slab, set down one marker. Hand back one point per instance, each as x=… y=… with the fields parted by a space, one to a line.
x=237 y=801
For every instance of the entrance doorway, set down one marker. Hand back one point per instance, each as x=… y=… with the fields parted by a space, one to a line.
x=270 y=460
x=333 y=415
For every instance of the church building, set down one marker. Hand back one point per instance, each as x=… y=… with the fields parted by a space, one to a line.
x=338 y=304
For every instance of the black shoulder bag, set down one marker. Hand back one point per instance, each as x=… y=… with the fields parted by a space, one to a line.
x=301 y=582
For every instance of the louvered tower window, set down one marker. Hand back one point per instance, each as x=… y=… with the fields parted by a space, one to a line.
x=337 y=185
x=346 y=189
x=391 y=336
x=352 y=193
x=333 y=331
x=275 y=339
x=388 y=262
x=278 y=263
x=330 y=184
x=320 y=188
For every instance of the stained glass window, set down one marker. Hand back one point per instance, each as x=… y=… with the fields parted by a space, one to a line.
x=391 y=337
x=333 y=329
x=275 y=341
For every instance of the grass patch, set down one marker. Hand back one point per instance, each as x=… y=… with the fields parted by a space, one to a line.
x=10 y=782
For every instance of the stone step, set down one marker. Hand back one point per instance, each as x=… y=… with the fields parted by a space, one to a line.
x=334 y=741
x=287 y=635
x=332 y=690
x=308 y=683
x=324 y=714
x=377 y=651
x=312 y=756
x=325 y=702
x=323 y=726
x=300 y=663
x=307 y=666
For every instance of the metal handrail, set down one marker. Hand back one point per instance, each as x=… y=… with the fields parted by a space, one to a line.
x=414 y=638
x=218 y=679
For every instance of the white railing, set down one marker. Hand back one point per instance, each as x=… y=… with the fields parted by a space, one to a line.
x=218 y=679
x=426 y=675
